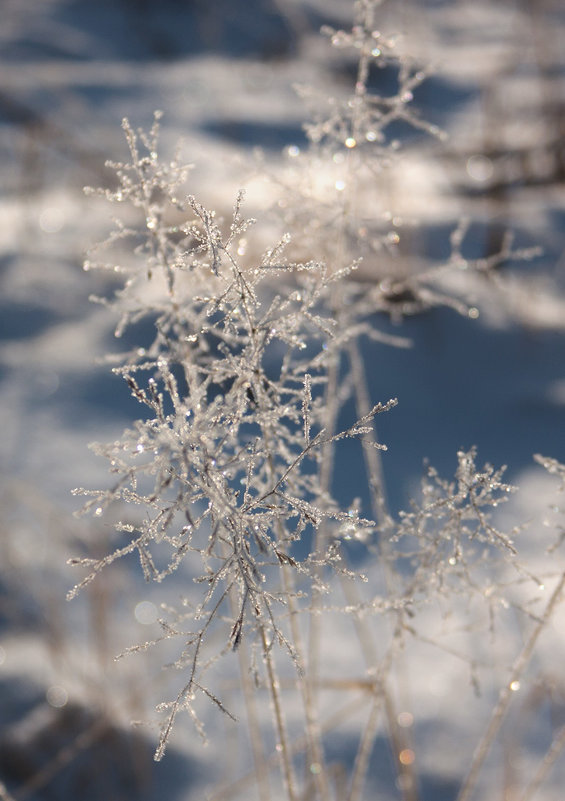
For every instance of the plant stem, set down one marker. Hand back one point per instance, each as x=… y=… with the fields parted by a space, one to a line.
x=380 y=510
x=274 y=687
x=505 y=696
x=557 y=746
x=259 y=757
x=316 y=755
x=364 y=751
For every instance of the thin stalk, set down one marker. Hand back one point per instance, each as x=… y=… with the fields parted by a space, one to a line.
x=364 y=751
x=331 y=405
x=284 y=751
x=259 y=758
x=371 y=454
x=64 y=756
x=313 y=735
x=557 y=746
x=315 y=751
x=396 y=739
x=505 y=696
x=326 y=471
x=331 y=394
x=375 y=475
x=230 y=791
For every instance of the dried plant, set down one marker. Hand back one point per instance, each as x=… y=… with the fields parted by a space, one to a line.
x=226 y=478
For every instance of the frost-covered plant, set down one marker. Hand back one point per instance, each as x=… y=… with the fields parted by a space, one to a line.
x=226 y=478
x=339 y=205
x=225 y=467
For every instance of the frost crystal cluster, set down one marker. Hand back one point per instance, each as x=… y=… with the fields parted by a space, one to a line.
x=224 y=468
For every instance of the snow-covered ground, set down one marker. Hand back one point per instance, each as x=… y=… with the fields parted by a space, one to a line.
x=223 y=73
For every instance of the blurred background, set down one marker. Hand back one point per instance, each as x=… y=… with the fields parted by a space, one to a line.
x=223 y=72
